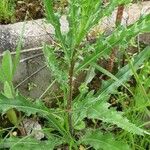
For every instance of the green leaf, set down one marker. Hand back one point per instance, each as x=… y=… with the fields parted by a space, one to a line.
x=89 y=108
x=123 y=74
x=6 y=67
x=81 y=106
x=80 y=125
x=11 y=114
x=28 y=143
x=85 y=14
x=99 y=141
x=54 y=20
x=90 y=75
x=9 y=65
x=28 y=107
x=101 y=111
x=109 y=74
x=8 y=90
x=104 y=46
x=52 y=61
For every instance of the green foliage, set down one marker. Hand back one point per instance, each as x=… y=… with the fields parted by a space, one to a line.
x=7 y=72
x=68 y=121
x=6 y=10
x=83 y=15
x=96 y=107
x=143 y=79
x=6 y=68
x=137 y=111
x=103 y=47
x=29 y=143
x=21 y=104
x=52 y=62
x=124 y=74
x=102 y=112
x=98 y=141
x=6 y=77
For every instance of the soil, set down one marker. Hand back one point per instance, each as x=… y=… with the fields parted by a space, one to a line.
x=31 y=9
x=24 y=10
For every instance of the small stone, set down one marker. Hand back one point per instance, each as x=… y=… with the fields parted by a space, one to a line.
x=32 y=127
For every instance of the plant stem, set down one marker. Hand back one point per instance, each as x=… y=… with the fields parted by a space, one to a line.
x=70 y=94
x=119 y=17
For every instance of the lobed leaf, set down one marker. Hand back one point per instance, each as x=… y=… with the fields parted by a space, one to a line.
x=28 y=107
x=29 y=143
x=98 y=141
x=85 y=14
x=52 y=61
x=104 y=46
x=85 y=106
x=54 y=20
x=101 y=111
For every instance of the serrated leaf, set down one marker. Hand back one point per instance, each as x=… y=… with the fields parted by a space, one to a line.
x=54 y=20
x=22 y=104
x=82 y=106
x=85 y=14
x=99 y=141
x=101 y=111
x=58 y=73
x=103 y=47
x=28 y=107
x=28 y=143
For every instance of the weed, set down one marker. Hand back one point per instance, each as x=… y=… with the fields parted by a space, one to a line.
x=67 y=123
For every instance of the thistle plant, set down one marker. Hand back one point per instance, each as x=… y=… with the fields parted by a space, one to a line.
x=68 y=122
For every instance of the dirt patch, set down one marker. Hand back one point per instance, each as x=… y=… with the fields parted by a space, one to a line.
x=20 y=10
x=29 y=9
